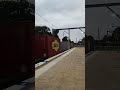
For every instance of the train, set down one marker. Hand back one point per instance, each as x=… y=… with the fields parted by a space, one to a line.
x=16 y=61
x=20 y=48
x=16 y=31
x=46 y=46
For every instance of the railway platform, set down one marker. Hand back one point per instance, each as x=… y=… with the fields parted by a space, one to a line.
x=102 y=71
x=66 y=72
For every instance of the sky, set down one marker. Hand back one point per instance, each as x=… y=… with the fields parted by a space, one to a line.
x=101 y=18
x=61 y=14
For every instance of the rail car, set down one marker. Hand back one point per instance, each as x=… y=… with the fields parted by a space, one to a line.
x=71 y=44
x=65 y=45
x=45 y=46
x=16 y=62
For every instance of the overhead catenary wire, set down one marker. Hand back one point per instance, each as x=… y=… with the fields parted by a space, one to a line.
x=45 y=20
x=117 y=15
x=48 y=21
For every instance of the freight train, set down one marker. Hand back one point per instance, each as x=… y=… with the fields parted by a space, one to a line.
x=16 y=31
x=46 y=46
x=20 y=49
x=16 y=62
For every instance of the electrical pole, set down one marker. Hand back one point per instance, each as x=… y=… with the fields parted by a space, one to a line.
x=69 y=33
x=69 y=37
x=76 y=40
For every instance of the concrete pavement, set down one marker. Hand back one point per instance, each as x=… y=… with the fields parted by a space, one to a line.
x=102 y=71
x=67 y=74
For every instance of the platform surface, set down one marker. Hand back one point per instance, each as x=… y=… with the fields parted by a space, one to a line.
x=102 y=71
x=67 y=74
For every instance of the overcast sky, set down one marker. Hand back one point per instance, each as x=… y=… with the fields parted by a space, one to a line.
x=101 y=17
x=62 y=14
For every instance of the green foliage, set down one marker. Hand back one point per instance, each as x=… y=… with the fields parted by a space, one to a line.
x=65 y=38
x=114 y=37
x=13 y=10
x=89 y=37
x=116 y=34
x=55 y=33
x=43 y=30
x=72 y=41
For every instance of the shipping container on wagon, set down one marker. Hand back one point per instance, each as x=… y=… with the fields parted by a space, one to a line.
x=71 y=44
x=65 y=45
x=16 y=62
x=45 y=46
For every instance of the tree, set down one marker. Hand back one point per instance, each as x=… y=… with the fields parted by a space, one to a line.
x=65 y=38
x=116 y=34
x=55 y=33
x=72 y=41
x=43 y=30
x=89 y=38
x=83 y=41
x=12 y=10
x=106 y=38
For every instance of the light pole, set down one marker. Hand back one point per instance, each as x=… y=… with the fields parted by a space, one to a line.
x=64 y=32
